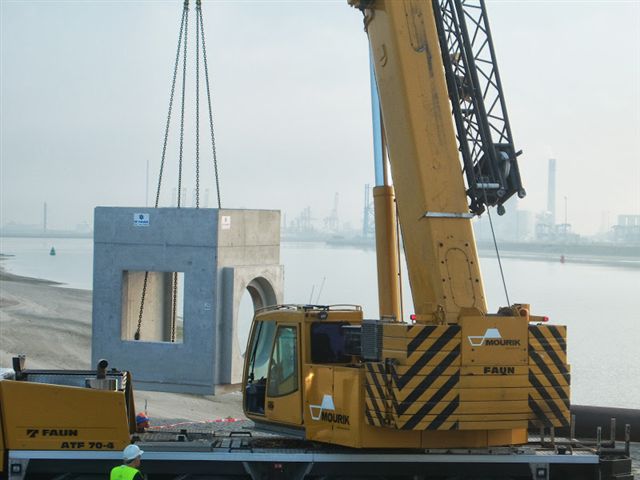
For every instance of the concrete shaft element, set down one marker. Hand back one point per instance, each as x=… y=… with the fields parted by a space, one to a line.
x=219 y=254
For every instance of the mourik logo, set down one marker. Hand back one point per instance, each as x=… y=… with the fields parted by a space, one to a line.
x=492 y=337
x=325 y=412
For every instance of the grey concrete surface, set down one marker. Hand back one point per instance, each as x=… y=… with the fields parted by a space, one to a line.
x=222 y=254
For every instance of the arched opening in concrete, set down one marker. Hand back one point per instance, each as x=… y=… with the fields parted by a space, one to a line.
x=258 y=293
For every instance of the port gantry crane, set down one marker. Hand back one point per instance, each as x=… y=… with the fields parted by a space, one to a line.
x=457 y=376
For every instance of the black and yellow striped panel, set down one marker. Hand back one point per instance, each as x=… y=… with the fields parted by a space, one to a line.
x=420 y=345
x=420 y=393
x=373 y=413
x=424 y=384
x=377 y=399
x=429 y=349
x=549 y=376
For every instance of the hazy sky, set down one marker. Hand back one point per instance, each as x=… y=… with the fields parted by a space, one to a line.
x=85 y=89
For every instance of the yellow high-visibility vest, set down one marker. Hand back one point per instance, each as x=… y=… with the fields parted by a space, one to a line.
x=123 y=472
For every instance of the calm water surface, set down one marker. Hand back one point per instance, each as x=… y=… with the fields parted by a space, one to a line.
x=599 y=304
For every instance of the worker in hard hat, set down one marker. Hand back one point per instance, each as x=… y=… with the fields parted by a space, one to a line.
x=129 y=470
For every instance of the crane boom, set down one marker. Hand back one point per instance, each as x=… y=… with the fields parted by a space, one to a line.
x=442 y=260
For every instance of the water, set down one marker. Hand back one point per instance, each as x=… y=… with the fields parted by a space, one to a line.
x=72 y=265
x=597 y=303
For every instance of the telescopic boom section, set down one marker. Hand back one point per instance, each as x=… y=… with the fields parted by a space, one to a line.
x=442 y=259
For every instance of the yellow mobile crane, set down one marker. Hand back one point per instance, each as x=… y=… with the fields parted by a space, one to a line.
x=407 y=394
x=457 y=375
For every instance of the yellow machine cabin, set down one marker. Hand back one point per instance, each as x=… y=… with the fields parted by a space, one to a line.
x=65 y=409
x=336 y=378
x=455 y=375
x=303 y=369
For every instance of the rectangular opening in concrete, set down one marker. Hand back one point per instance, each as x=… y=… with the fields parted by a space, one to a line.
x=153 y=306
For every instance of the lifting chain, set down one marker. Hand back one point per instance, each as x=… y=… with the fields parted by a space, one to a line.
x=173 y=88
x=206 y=76
x=184 y=89
x=198 y=14
x=182 y=46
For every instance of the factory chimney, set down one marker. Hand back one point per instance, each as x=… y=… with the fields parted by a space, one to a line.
x=44 y=219
x=551 y=190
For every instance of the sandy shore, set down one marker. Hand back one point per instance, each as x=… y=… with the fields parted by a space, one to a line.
x=52 y=327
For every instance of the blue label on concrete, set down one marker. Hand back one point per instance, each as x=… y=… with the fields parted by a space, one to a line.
x=141 y=219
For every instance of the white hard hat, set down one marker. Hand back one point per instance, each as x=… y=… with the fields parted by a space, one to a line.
x=131 y=452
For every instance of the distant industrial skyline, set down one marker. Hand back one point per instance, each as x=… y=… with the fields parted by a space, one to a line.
x=85 y=89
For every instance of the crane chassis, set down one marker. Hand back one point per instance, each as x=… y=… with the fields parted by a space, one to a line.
x=242 y=455
x=84 y=448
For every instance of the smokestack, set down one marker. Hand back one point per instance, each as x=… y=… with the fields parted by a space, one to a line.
x=551 y=190
x=44 y=218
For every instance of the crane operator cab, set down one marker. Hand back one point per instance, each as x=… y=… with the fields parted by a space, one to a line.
x=285 y=342
x=325 y=374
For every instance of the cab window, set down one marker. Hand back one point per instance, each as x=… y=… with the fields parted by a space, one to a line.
x=261 y=345
x=328 y=343
x=260 y=349
x=283 y=368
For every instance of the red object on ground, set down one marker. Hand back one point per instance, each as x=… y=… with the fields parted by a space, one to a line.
x=142 y=422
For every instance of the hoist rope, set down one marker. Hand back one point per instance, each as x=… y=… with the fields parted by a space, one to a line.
x=495 y=244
